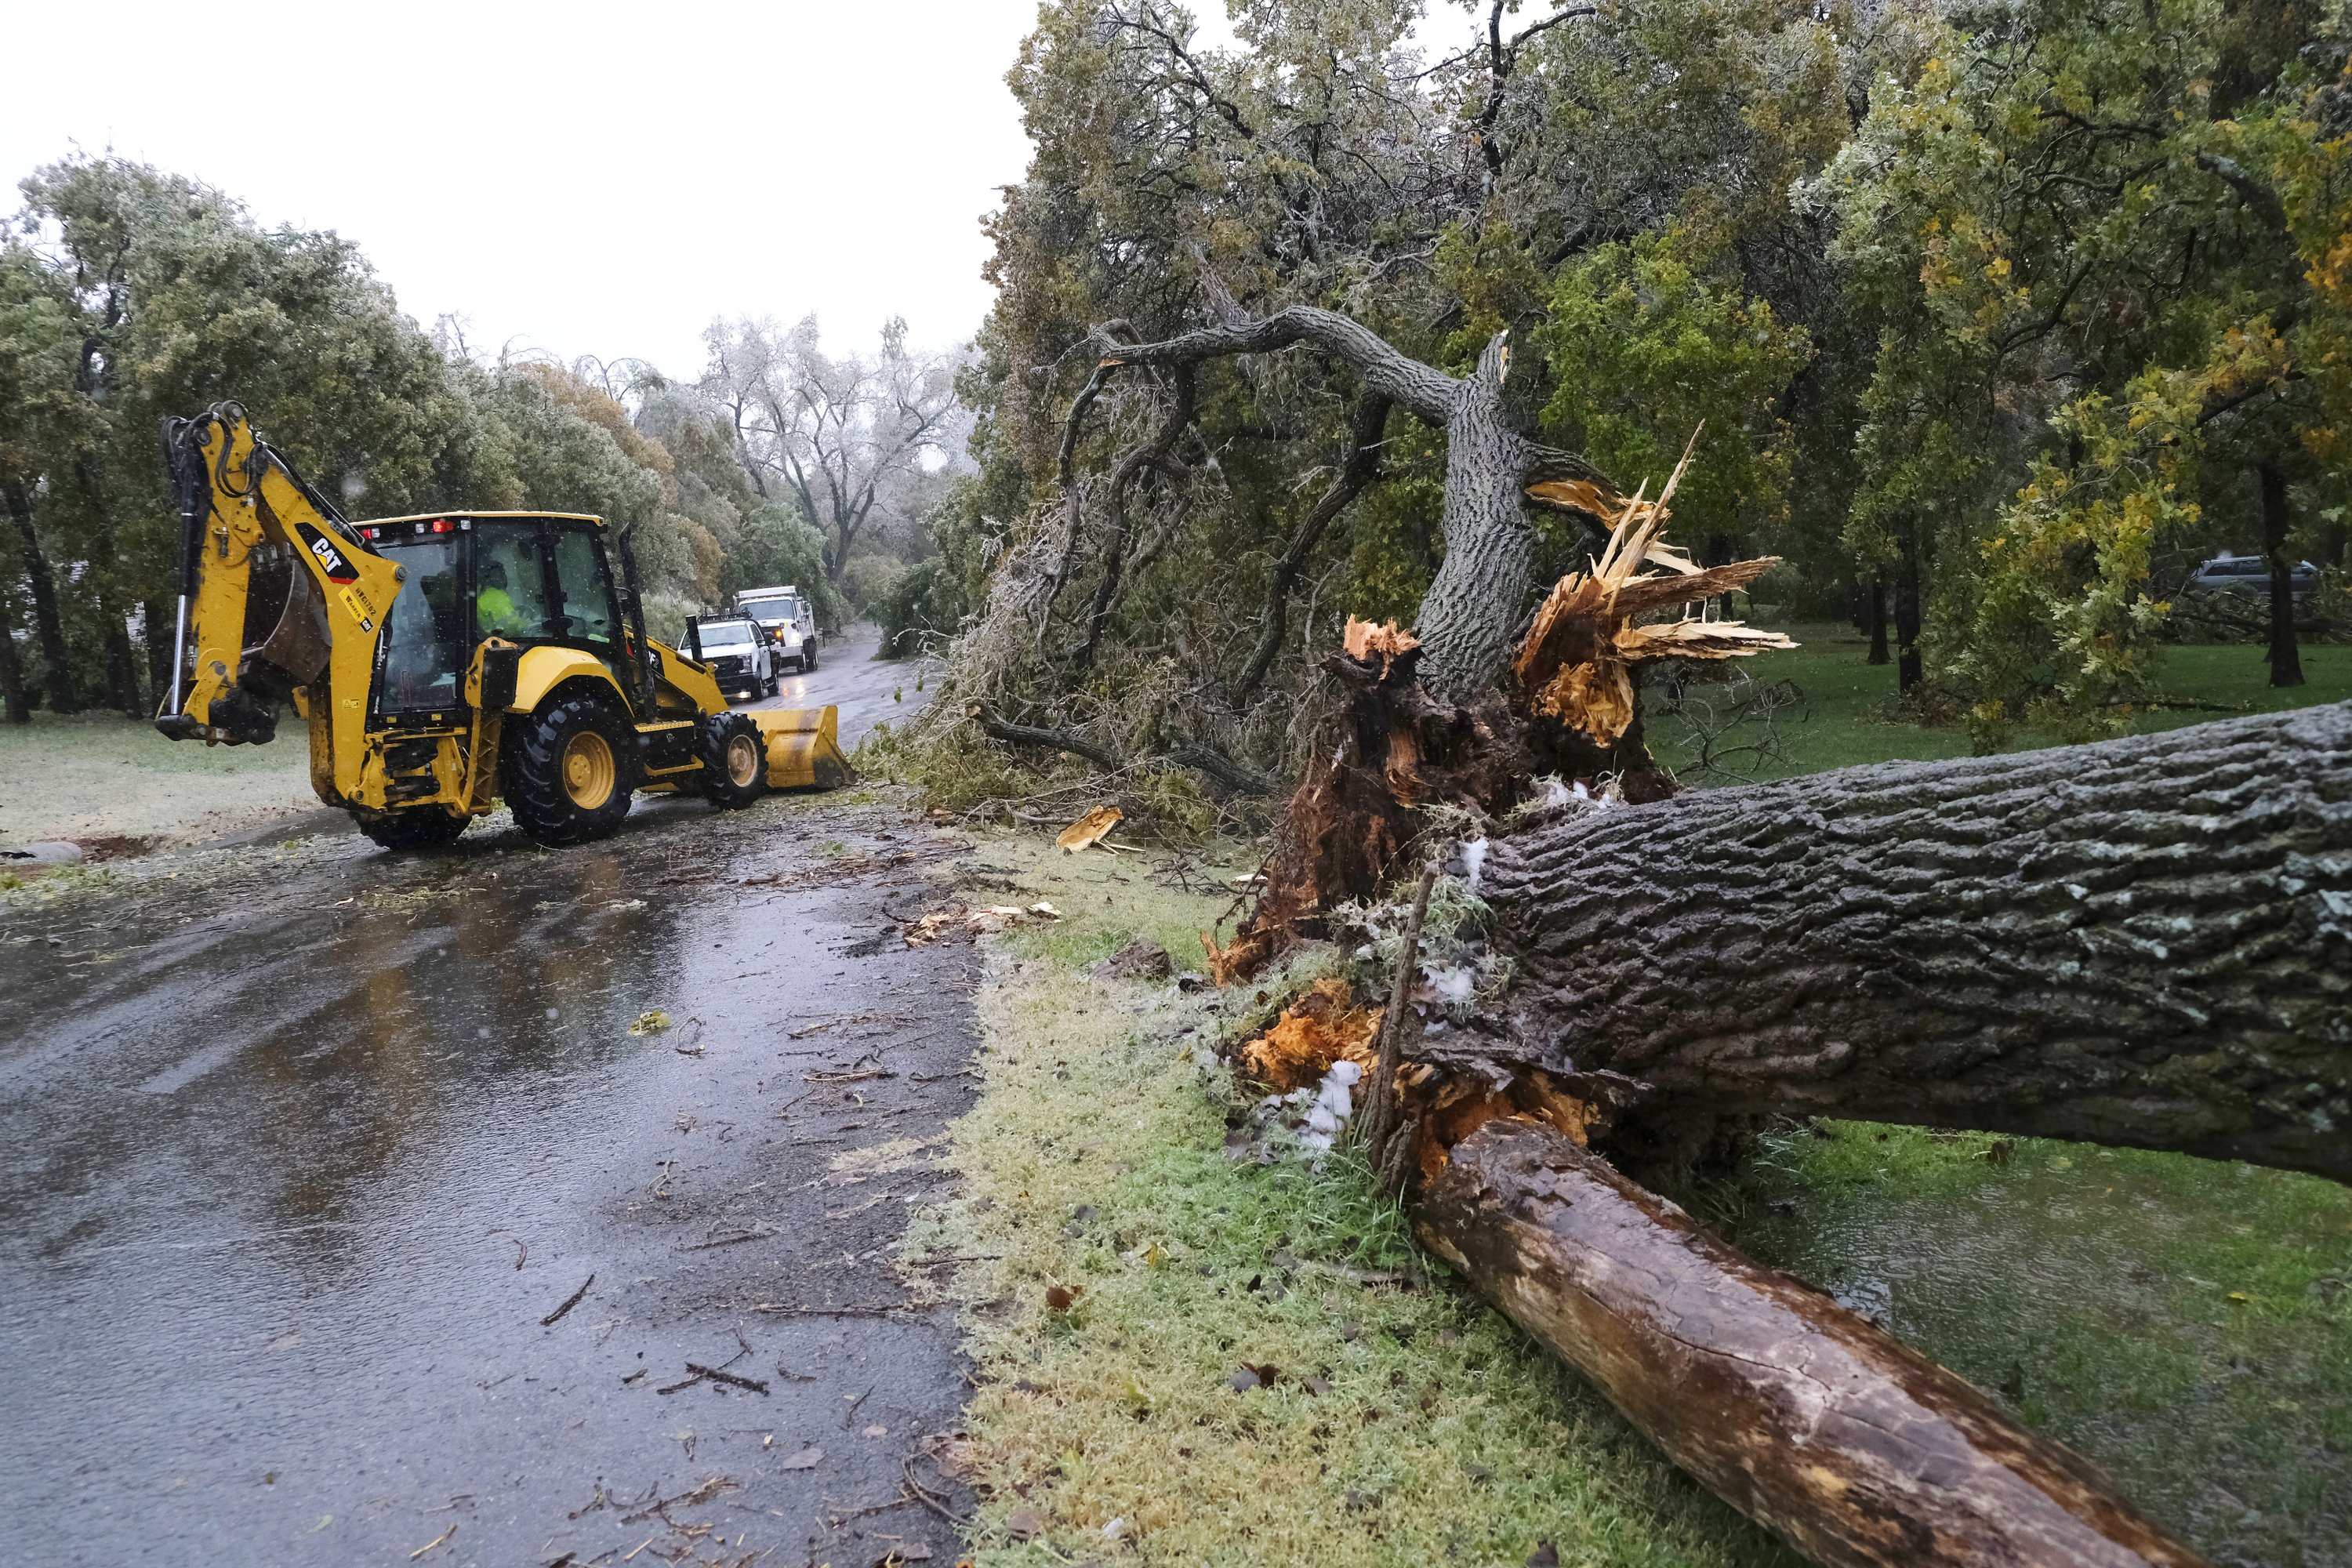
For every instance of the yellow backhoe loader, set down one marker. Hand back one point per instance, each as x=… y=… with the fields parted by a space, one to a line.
x=445 y=662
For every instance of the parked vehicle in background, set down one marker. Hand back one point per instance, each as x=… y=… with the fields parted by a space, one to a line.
x=741 y=658
x=2228 y=574
x=789 y=619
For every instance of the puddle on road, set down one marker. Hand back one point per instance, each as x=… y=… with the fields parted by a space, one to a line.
x=294 y=1177
x=2185 y=1323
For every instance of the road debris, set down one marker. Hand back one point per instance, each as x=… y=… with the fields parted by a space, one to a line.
x=958 y=918
x=1092 y=829
x=1142 y=958
x=718 y=1374
x=650 y=1023
x=569 y=1302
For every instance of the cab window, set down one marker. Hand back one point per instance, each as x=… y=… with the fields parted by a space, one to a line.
x=587 y=585
x=511 y=584
x=425 y=631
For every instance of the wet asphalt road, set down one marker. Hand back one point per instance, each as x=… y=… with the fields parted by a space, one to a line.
x=303 y=1142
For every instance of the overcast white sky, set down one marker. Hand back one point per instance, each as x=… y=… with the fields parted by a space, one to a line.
x=578 y=178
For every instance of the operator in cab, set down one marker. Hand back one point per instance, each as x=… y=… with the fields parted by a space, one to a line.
x=494 y=608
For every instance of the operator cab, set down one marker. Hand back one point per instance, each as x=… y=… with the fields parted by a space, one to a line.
x=532 y=578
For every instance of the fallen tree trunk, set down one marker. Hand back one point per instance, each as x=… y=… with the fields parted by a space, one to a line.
x=1856 y=1449
x=2143 y=943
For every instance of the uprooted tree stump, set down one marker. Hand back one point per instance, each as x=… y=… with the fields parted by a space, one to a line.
x=2143 y=943
x=2146 y=942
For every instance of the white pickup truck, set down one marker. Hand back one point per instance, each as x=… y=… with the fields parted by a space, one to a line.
x=788 y=618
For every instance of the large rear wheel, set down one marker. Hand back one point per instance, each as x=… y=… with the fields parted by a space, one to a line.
x=569 y=769
x=734 y=761
x=427 y=827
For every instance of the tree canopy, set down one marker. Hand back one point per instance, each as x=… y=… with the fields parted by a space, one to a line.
x=2010 y=311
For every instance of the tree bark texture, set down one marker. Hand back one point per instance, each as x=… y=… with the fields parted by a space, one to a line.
x=48 y=630
x=1856 y=1449
x=2143 y=942
x=1473 y=605
x=1909 y=671
x=1877 y=614
x=18 y=708
x=1468 y=617
x=2285 y=657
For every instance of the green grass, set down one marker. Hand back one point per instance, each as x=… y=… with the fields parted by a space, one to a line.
x=1851 y=714
x=1095 y=1161
x=102 y=776
x=2187 y=1324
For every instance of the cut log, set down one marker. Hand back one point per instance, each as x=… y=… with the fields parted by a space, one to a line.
x=1856 y=1449
x=2143 y=943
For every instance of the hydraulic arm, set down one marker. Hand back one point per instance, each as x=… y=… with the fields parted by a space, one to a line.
x=275 y=590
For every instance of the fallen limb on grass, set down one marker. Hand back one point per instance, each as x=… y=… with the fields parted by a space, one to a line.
x=1854 y=1447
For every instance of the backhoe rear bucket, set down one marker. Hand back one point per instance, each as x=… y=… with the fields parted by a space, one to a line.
x=804 y=747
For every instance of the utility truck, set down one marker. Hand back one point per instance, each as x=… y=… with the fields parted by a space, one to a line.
x=442 y=662
x=787 y=617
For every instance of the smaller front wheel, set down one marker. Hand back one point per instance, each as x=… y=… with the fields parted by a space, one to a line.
x=734 y=761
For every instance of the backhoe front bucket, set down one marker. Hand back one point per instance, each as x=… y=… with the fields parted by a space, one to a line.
x=804 y=747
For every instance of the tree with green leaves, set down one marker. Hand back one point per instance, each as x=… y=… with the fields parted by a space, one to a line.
x=2096 y=320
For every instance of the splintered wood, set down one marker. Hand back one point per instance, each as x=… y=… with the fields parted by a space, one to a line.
x=1576 y=665
x=1093 y=828
x=1321 y=1027
x=1365 y=641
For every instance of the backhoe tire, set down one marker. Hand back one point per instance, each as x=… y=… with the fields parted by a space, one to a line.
x=567 y=771
x=426 y=828
x=734 y=761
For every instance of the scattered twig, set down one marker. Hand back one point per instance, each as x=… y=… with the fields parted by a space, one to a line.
x=718 y=1375
x=569 y=1302
x=830 y=1312
x=931 y=1500
x=1380 y=1109
x=904 y=1500
x=849 y=1414
x=728 y=1240
x=432 y=1544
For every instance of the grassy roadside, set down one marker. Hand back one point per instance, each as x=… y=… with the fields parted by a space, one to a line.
x=103 y=776
x=1405 y=1421
x=2186 y=1323
x=1849 y=716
